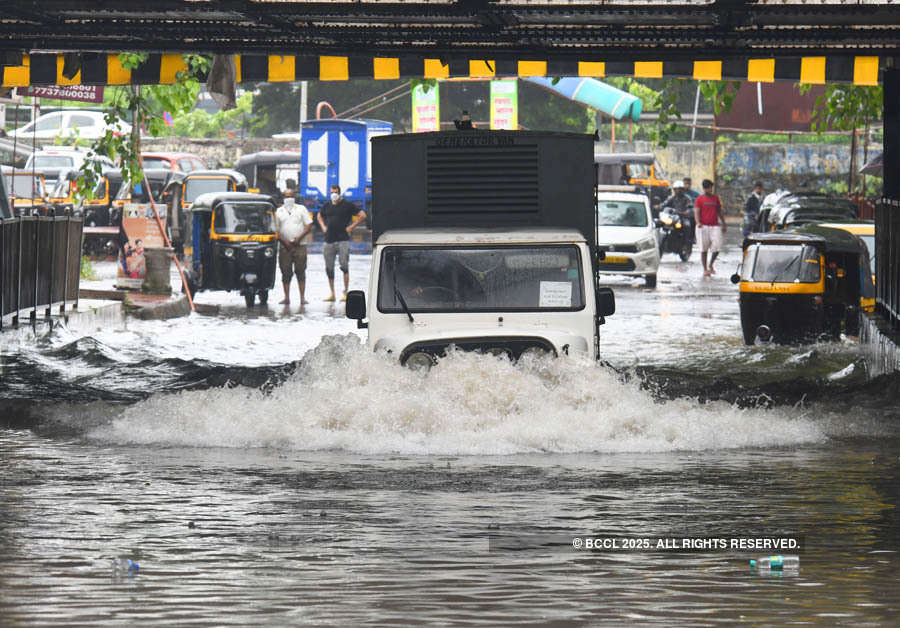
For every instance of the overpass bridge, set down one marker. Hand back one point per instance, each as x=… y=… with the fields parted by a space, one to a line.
x=66 y=42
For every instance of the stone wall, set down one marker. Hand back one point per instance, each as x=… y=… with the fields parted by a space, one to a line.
x=215 y=151
x=787 y=166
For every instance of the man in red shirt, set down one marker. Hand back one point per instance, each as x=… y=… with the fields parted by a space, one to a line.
x=710 y=221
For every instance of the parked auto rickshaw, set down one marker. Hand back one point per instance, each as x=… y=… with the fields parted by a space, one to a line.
x=184 y=187
x=96 y=209
x=638 y=169
x=27 y=192
x=233 y=244
x=264 y=170
x=803 y=284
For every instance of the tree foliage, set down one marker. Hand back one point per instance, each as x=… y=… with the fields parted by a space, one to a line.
x=200 y=123
x=846 y=107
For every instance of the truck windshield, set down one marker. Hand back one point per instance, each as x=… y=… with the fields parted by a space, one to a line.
x=244 y=218
x=781 y=263
x=481 y=279
x=621 y=214
x=196 y=187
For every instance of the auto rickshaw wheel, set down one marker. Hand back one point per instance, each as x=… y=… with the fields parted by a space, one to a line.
x=249 y=297
x=263 y=297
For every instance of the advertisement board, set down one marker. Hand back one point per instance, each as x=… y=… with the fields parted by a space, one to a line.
x=426 y=109
x=505 y=105
x=139 y=231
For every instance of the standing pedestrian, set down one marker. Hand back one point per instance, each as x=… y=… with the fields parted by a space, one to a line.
x=751 y=209
x=694 y=194
x=293 y=224
x=710 y=221
x=338 y=218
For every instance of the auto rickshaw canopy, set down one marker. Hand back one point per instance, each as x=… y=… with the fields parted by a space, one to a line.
x=826 y=239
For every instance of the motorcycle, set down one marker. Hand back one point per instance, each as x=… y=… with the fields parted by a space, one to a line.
x=677 y=233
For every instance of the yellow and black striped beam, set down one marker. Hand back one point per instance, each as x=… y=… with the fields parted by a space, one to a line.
x=163 y=69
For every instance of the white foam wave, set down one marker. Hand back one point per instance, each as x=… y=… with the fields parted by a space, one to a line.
x=344 y=397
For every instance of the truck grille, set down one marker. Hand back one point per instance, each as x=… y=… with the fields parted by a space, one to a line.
x=499 y=180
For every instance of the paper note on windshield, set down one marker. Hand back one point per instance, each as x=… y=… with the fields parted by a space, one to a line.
x=556 y=294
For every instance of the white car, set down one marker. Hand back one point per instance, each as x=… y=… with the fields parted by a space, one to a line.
x=85 y=124
x=52 y=160
x=627 y=236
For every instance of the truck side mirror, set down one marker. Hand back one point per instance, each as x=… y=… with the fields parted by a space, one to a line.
x=356 y=307
x=606 y=302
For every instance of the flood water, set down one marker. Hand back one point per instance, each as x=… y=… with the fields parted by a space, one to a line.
x=264 y=468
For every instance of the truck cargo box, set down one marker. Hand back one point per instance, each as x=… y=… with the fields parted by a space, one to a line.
x=489 y=179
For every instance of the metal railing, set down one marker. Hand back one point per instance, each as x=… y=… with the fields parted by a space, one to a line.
x=40 y=265
x=887 y=260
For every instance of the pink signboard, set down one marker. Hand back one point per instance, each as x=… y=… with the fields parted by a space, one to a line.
x=84 y=93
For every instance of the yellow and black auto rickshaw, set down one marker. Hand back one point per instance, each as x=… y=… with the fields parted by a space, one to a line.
x=233 y=244
x=803 y=284
x=28 y=195
x=184 y=187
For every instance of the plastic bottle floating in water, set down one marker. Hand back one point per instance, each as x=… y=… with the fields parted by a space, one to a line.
x=124 y=566
x=776 y=562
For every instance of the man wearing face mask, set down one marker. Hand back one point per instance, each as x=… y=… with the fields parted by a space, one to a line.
x=338 y=217
x=294 y=224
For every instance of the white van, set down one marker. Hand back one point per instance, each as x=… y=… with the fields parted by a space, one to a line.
x=483 y=241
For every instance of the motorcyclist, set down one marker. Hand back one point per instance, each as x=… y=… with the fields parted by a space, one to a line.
x=682 y=204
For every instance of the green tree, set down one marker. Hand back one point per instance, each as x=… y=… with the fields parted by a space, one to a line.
x=846 y=107
x=200 y=123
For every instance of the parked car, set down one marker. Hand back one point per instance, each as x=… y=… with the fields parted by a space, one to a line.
x=179 y=162
x=83 y=124
x=799 y=209
x=51 y=161
x=626 y=235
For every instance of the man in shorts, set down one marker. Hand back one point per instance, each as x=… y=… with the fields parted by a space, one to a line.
x=710 y=221
x=293 y=223
x=338 y=217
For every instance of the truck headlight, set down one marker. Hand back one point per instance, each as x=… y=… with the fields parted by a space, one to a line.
x=269 y=252
x=420 y=361
x=229 y=253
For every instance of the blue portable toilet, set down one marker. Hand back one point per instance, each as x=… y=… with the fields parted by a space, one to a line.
x=337 y=151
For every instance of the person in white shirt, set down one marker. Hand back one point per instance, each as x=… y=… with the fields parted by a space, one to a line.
x=293 y=223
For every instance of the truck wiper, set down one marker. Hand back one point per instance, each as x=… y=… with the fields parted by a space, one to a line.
x=403 y=303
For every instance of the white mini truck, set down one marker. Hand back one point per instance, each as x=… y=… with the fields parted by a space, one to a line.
x=483 y=241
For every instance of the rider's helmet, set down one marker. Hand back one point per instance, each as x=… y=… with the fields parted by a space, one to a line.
x=677 y=184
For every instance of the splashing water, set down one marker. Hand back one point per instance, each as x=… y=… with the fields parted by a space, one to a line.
x=343 y=397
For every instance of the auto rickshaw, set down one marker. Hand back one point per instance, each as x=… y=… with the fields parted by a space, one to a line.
x=233 y=244
x=803 y=284
x=184 y=187
x=638 y=169
x=96 y=209
x=264 y=170
x=27 y=192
